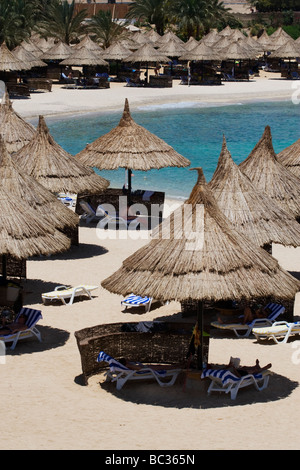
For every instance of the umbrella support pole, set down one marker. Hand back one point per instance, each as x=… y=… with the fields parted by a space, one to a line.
x=200 y=352
x=129 y=186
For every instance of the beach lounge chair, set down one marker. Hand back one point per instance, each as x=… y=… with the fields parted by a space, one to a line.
x=222 y=380
x=280 y=331
x=27 y=330
x=244 y=330
x=136 y=301
x=89 y=214
x=121 y=374
x=295 y=75
x=64 y=293
x=111 y=220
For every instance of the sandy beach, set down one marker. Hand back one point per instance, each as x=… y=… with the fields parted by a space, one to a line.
x=46 y=405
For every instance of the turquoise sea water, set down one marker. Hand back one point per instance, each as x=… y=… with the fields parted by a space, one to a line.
x=194 y=131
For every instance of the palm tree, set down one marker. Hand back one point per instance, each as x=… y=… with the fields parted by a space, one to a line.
x=150 y=11
x=105 y=29
x=60 y=21
x=191 y=16
x=16 y=21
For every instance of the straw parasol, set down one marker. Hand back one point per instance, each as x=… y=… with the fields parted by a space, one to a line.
x=227 y=31
x=201 y=52
x=250 y=211
x=88 y=43
x=211 y=38
x=172 y=48
x=130 y=146
x=169 y=35
x=31 y=47
x=269 y=175
x=83 y=56
x=289 y=50
x=152 y=35
x=58 y=51
x=280 y=32
x=145 y=54
x=54 y=168
x=9 y=62
x=265 y=42
x=28 y=191
x=15 y=131
x=204 y=259
x=25 y=56
x=191 y=44
x=290 y=158
x=116 y=52
x=23 y=233
x=237 y=51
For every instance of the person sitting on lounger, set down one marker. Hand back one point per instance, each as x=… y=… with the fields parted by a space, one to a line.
x=11 y=328
x=248 y=314
x=241 y=371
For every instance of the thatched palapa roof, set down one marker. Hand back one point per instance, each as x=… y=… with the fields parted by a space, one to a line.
x=270 y=176
x=15 y=131
x=23 y=233
x=9 y=62
x=250 y=211
x=54 y=168
x=203 y=259
x=28 y=191
x=83 y=56
x=25 y=56
x=130 y=146
x=290 y=158
x=146 y=53
x=201 y=52
x=58 y=51
x=116 y=52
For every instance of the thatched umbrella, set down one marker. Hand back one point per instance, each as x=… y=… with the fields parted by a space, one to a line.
x=88 y=43
x=267 y=174
x=9 y=62
x=227 y=31
x=237 y=51
x=146 y=54
x=201 y=52
x=250 y=211
x=116 y=52
x=289 y=50
x=14 y=130
x=83 y=56
x=57 y=52
x=202 y=259
x=31 y=47
x=265 y=42
x=169 y=35
x=290 y=158
x=130 y=146
x=25 y=56
x=152 y=35
x=23 y=233
x=211 y=38
x=42 y=43
x=28 y=191
x=172 y=48
x=54 y=168
x=191 y=44
x=280 y=33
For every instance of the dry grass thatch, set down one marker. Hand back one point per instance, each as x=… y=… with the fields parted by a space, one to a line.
x=130 y=146
x=57 y=170
x=270 y=176
x=26 y=56
x=14 y=130
x=9 y=62
x=201 y=52
x=58 y=51
x=116 y=52
x=290 y=158
x=23 y=233
x=31 y=47
x=288 y=50
x=250 y=211
x=206 y=259
x=26 y=190
x=83 y=56
x=146 y=53
x=172 y=48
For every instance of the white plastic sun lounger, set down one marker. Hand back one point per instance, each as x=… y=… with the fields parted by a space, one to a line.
x=121 y=374
x=280 y=331
x=222 y=380
x=136 y=301
x=64 y=293
x=244 y=330
x=32 y=317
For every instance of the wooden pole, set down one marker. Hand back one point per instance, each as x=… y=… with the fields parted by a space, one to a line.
x=200 y=352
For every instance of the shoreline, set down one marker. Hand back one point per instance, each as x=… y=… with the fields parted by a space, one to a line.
x=65 y=102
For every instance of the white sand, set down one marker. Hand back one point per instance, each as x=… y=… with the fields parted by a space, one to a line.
x=43 y=405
